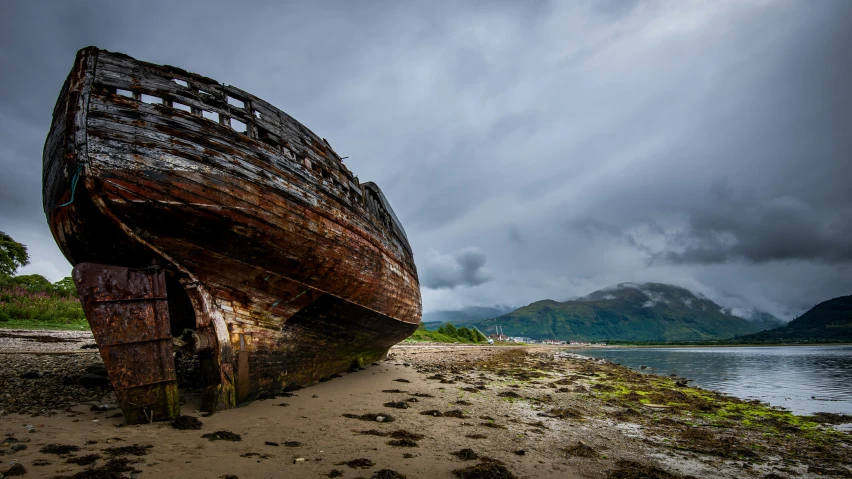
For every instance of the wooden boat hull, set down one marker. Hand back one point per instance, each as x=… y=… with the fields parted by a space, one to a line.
x=272 y=249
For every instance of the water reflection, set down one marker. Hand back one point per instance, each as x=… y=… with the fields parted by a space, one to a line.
x=804 y=379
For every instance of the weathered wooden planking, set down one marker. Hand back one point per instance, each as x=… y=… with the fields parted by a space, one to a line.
x=295 y=268
x=118 y=71
x=136 y=129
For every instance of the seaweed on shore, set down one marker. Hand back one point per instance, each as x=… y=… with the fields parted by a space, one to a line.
x=563 y=413
x=184 y=423
x=59 y=449
x=581 y=449
x=829 y=418
x=487 y=469
x=402 y=443
x=466 y=454
x=222 y=436
x=704 y=441
x=387 y=474
x=83 y=460
x=509 y=394
x=456 y=413
x=112 y=469
x=361 y=463
x=371 y=417
x=134 y=450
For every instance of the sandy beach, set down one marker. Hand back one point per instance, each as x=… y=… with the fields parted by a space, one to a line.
x=426 y=411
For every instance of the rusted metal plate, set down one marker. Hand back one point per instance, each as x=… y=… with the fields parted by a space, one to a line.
x=128 y=312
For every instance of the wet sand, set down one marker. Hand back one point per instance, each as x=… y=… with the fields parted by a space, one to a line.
x=512 y=401
x=312 y=417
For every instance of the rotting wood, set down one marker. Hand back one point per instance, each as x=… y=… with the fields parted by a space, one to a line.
x=292 y=266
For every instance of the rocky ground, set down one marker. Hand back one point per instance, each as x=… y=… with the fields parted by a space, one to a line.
x=25 y=340
x=426 y=411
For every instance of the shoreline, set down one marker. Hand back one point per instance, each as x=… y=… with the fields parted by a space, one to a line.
x=571 y=417
x=737 y=345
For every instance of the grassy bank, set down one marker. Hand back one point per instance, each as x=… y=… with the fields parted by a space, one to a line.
x=447 y=334
x=23 y=308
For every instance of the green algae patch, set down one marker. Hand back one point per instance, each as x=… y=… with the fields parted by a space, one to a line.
x=707 y=422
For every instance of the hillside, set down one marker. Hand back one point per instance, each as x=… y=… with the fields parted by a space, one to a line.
x=829 y=321
x=628 y=312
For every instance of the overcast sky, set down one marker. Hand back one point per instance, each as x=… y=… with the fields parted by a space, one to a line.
x=531 y=150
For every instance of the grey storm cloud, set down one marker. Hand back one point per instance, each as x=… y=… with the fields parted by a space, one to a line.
x=741 y=226
x=465 y=267
x=577 y=144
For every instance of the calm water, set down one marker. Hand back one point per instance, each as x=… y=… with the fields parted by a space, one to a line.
x=803 y=379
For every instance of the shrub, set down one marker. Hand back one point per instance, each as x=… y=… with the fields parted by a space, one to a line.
x=20 y=303
x=448 y=333
x=33 y=282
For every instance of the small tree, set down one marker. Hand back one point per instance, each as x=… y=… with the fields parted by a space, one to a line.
x=467 y=334
x=33 y=282
x=450 y=330
x=65 y=287
x=13 y=255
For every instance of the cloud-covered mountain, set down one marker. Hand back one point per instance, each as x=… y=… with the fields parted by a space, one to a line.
x=828 y=321
x=629 y=312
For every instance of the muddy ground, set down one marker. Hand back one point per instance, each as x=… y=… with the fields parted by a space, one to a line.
x=426 y=411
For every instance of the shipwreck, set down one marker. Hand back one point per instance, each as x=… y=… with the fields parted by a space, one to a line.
x=200 y=218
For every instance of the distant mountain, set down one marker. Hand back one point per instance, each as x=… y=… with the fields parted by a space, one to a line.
x=628 y=312
x=460 y=317
x=764 y=321
x=828 y=321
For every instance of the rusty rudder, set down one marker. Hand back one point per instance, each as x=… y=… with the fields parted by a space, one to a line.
x=128 y=311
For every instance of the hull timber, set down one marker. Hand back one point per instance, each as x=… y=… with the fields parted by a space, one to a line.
x=288 y=267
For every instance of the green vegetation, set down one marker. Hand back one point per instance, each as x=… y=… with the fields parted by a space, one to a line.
x=13 y=255
x=447 y=334
x=703 y=412
x=671 y=414
x=829 y=321
x=629 y=312
x=30 y=301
